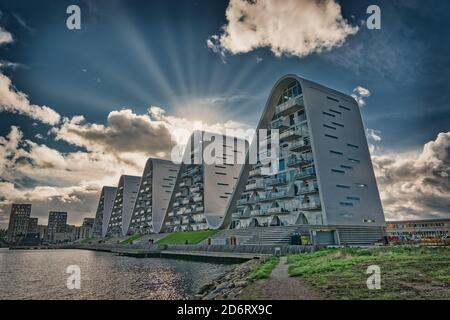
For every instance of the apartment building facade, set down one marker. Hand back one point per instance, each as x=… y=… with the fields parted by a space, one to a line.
x=57 y=226
x=157 y=183
x=204 y=186
x=124 y=201
x=18 y=222
x=324 y=174
x=104 y=209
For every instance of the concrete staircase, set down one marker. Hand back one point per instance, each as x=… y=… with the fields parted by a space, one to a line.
x=257 y=235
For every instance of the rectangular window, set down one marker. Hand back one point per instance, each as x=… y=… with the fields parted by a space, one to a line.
x=347 y=204
x=346 y=167
x=220 y=173
x=329 y=127
x=336 y=152
x=352 y=146
x=353 y=198
x=335 y=111
x=220 y=167
x=337 y=171
x=224 y=197
x=338 y=124
x=222 y=184
x=328 y=114
x=354 y=160
x=282 y=165
x=345 y=108
x=341 y=186
x=330 y=136
x=332 y=99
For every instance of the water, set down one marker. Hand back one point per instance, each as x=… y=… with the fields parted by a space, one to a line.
x=37 y=274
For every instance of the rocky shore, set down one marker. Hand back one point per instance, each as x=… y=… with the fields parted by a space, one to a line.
x=230 y=285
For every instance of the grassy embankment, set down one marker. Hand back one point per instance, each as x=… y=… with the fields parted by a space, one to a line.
x=406 y=272
x=131 y=238
x=265 y=268
x=193 y=237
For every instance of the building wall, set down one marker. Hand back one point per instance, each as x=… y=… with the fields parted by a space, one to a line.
x=18 y=222
x=433 y=228
x=124 y=201
x=103 y=213
x=57 y=222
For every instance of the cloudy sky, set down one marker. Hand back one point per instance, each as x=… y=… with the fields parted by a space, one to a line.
x=80 y=107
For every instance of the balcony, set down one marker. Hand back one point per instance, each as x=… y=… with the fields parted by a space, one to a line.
x=255 y=173
x=290 y=106
x=170 y=214
x=291 y=134
x=276 y=181
x=195 y=189
x=306 y=174
x=244 y=201
x=309 y=190
x=310 y=206
x=301 y=145
x=198 y=198
x=178 y=194
x=297 y=161
x=185 y=184
x=280 y=195
x=280 y=123
x=176 y=204
x=185 y=201
x=258 y=213
x=278 y=210
x=259 y=185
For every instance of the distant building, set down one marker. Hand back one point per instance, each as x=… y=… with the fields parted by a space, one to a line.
x=33 y=226
x=86 y=228
x=43 y=232
x=158 y=180
x=18 y=222
x=104 y=209
x=57 y=222
x=203 y=187
x=124 y=200
x=429 y=228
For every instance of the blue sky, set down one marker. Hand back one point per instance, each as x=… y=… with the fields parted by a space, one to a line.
x=137 y=54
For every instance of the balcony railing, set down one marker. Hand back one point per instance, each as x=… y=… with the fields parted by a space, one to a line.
x=290 y=106
x=308 y=190
x=300 y=145
x=255 y=186
x=278 y=210
x=255 y=173
x=276 y=181
x=198 y=198
x=310 y=206
x=280 y=123
x=295 y=161
x=291 y=134
x=305 y=173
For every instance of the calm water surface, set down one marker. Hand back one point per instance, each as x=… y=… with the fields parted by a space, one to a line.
x=41 y=274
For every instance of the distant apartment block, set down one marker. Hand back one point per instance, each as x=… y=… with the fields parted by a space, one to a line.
x=104 y=209
x=18 y=222
x=56 y=226
x=427 y=228
x=43 y=232
x=32 y=226
x=157 y=183
x=86 y=228
x=324 y=176
x=124 y=201
x=202 y=190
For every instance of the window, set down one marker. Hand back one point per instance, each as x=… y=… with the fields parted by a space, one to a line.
x=222 y=184
x=345 y=108
x=336 y=152
x=337 y=171
x=338 y=124
x=330 y=136
x=335 y=111
x=332 y=99
x=354 y=160
x=282 y=165
x=346 y=167
x=353 y=198
x=329 y=127
x=220 y=173
x=352 y=146
x=361 y=185
x=347 y=204
x=328 y=114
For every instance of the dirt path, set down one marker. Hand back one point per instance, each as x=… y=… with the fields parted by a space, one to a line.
x=281 y=287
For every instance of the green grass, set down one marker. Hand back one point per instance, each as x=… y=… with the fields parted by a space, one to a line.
x=264 y=270
x=192 y=237
x=131 y=238
x=86 y=240
x=407 y=272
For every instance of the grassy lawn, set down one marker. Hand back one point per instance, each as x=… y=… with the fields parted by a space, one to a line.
x=131 y=238
x=193 y=237
x=86 y=240
x=264 y=269
x=406 y=272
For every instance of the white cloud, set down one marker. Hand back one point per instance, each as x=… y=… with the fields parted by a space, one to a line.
x=5 y=36
x=291 y=27
x=373 y=134
x=360 y=94
x=416 y=185
x=12 y=100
